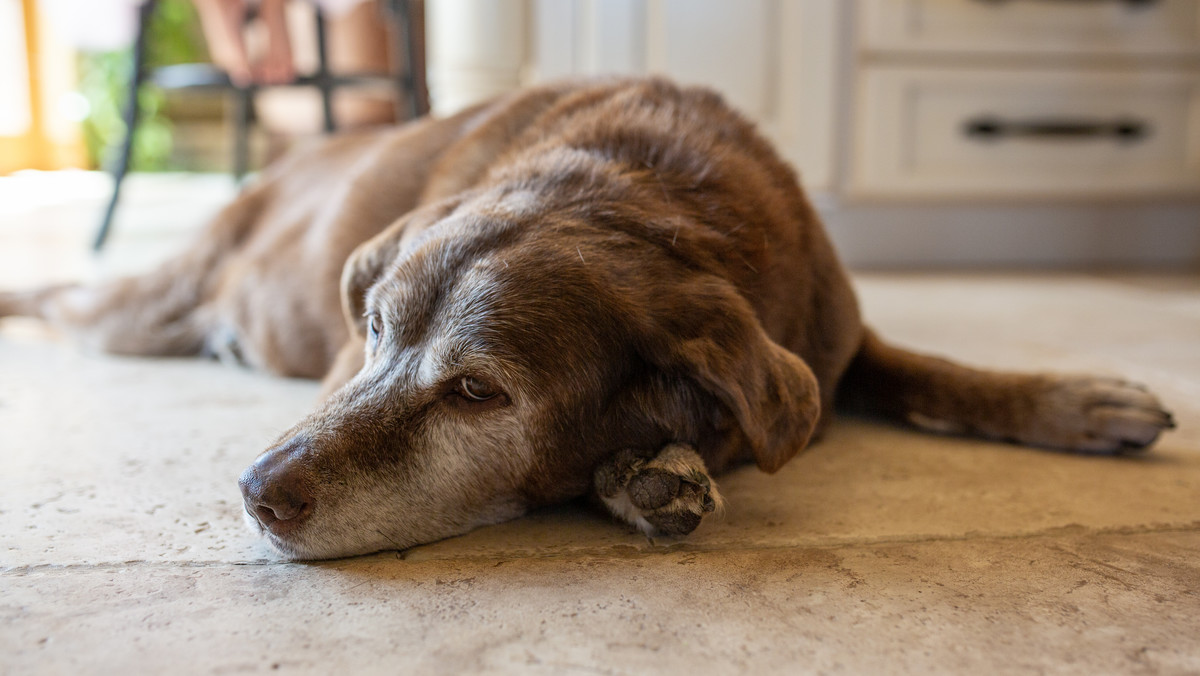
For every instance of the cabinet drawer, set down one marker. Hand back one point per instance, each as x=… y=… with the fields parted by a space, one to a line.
x=992 y=133
x=1022 y=27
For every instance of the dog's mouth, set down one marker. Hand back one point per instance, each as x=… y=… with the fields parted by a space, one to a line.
x=276 y=534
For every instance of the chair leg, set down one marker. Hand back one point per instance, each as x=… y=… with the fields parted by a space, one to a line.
x=243 y=116
x=121 y=166
x=324 y=79
x=403 y=54
x=414 y=77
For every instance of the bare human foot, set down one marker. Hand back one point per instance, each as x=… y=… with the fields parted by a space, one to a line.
x=222 y=22
x=275 y=65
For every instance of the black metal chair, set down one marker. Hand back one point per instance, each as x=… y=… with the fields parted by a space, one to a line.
x=201 y=76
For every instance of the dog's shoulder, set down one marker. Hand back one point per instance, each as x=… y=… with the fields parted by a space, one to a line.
x=639 y=122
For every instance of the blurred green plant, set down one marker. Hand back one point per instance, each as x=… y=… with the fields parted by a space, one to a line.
x=173 y=37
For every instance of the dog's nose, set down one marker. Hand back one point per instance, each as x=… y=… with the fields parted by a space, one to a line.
x=274 y=488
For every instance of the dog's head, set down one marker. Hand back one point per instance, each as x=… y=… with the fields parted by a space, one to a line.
x=509 y=348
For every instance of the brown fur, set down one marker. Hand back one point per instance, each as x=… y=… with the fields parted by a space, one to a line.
x=626 y=263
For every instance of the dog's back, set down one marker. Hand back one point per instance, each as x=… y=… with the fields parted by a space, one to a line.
x=259 y=284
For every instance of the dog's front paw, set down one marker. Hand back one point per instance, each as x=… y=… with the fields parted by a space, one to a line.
x=1098 y=415
x=666 y=494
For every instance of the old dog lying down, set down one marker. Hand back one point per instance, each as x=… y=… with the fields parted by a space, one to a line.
x=613 y=287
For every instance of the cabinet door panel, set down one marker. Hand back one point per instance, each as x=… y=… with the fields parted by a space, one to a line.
x=1022 y=27
x=1041 y=133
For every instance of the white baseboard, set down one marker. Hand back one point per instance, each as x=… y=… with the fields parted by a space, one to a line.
x=1146 y=235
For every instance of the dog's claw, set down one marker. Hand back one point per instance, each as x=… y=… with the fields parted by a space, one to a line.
x=667 y=494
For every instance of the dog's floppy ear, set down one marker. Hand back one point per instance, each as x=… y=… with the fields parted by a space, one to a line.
x=368 y=261
x=362 y=268
x=708 y=332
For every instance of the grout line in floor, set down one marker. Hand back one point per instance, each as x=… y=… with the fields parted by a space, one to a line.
x=623 y=551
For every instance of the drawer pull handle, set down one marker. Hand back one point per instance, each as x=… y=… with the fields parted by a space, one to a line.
x=987 y=128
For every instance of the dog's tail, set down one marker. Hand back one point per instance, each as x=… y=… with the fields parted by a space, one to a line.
x=1079 y=413
x=29 y=303
x=152 y=314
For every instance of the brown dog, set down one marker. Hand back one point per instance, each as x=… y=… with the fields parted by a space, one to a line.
x=612 y=287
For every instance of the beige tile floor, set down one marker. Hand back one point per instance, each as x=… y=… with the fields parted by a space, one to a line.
x=879 y=551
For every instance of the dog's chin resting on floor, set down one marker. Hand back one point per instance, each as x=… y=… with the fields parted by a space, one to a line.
x=612 y=288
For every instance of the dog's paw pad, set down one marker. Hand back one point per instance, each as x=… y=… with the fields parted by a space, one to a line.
x=653 y=488
x=668 y=494
x=1103 y=415
x=675 y=523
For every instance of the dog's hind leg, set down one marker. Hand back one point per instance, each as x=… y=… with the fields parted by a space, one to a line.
x=157 y=313
x=667 y=493
x=1077 y=413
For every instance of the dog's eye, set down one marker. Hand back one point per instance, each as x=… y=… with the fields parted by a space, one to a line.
x=474 y=389
x=374 y=326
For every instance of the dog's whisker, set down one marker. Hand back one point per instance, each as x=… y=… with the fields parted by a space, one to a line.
x=390 y=539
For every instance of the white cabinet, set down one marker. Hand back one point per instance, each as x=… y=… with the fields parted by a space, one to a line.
x=917 y=125
x=1018 y=99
